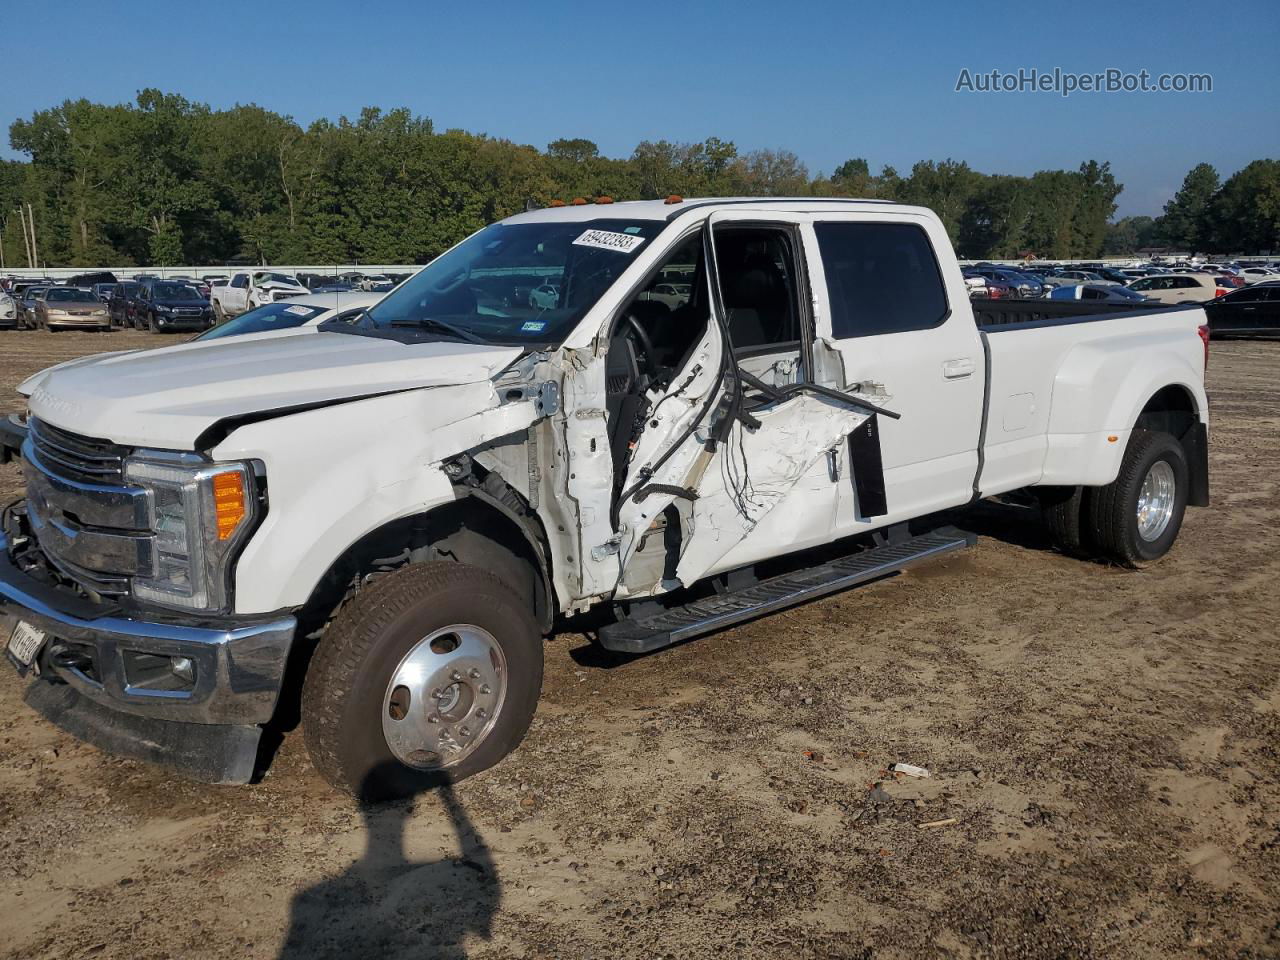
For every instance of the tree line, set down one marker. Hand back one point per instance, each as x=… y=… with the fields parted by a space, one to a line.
x=1208 y=215
x=165 y=180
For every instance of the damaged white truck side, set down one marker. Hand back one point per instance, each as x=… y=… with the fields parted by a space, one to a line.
x=711 y=410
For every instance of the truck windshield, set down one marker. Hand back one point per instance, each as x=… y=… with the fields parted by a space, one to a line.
x=513 y=284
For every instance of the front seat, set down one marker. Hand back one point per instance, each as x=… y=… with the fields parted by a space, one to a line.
x=755 y=294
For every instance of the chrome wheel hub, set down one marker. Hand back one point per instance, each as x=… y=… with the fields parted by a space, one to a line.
x=1155 y=501
x=444 y=697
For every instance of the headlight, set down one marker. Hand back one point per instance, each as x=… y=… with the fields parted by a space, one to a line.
x=57 y=313
x=201 y=513
x=161 y=308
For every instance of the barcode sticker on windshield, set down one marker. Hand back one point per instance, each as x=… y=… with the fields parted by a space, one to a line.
x=608 y=240
x=298 y=311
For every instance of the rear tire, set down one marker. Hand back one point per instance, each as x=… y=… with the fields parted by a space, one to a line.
x=1136 y=518
x=349 y=689
x=1065 y=512
x=219 y=315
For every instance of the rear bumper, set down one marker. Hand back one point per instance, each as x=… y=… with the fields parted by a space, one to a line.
x=111 y=663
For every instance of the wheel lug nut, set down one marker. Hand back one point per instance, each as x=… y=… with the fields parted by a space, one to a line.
x=475 y=674
x=433 y=719
x=455 y=676
x=482 y=714
x=464 y=731
x=486 y=689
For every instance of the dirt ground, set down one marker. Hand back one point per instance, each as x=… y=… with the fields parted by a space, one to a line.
x=1105 y=742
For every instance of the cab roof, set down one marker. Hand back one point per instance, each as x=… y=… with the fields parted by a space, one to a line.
x=661 y=210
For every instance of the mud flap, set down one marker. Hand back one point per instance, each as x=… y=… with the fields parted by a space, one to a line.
x=867 y=469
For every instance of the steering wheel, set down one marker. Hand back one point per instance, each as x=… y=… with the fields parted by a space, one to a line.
x=646 y=344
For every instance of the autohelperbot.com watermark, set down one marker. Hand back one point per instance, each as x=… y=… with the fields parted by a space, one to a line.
x=1065 y=82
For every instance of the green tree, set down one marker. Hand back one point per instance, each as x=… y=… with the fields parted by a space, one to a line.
x=1185 y=224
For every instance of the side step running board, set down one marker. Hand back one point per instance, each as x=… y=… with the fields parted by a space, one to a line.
x=670 y=626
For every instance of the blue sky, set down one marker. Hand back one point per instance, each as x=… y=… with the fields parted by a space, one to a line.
x=827 y=80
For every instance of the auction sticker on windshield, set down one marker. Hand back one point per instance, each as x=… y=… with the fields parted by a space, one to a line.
x=608 y=240
x=25 y=642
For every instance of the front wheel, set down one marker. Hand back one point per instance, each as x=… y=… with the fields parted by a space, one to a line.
x=1136 y=518
x=428 y=676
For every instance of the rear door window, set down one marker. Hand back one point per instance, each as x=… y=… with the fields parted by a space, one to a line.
x=881 y=278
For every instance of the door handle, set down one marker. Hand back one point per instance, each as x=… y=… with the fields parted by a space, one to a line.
x=957 y=369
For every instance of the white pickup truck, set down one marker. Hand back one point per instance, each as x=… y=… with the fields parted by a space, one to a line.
x=248 y=291
x=373 y=527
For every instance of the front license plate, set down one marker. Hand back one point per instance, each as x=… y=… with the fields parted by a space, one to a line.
x=25 y=642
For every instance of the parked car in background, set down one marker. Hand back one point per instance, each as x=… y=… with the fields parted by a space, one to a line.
x=545 y=296
x=1112 y=274
x=1250 y=311
x=66 y=307
x=990 y=289
x=1025 y=284
x=373 y=280
x=8 y=311
x=247 y=291
x=673 y=295
x=1071 y=277
x=103 y=291
x=121 y=302
x=27 y=301
x=86 y=281
x=295 y=314
x=1177 y=287
x=1259 y=275
x=171 y=305
x=1102 y=292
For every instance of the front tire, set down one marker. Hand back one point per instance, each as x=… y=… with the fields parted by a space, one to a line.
x=1135 y=519
x=428 y=676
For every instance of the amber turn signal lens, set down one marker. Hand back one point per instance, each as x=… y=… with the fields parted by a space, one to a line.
x=228 y=503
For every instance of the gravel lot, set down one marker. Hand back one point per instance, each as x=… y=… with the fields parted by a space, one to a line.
x=1105 y=742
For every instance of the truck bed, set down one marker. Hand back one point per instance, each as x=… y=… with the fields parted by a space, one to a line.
x=1000 y=313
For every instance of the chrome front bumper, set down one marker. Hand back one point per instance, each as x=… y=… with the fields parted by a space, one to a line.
x=239 y=666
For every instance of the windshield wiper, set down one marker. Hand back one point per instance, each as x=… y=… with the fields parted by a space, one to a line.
x=439 y=324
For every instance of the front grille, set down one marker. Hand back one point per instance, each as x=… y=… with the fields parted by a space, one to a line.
x=78 y=457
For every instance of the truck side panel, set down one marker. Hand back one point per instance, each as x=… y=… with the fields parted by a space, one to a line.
x=1065 y=395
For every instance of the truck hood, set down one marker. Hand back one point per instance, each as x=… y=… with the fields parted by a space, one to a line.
x=167 y=398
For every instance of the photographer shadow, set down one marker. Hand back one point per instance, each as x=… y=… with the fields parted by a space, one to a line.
x=388 y=906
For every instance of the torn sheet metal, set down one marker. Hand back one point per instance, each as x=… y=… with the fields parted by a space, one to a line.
x=755 y=470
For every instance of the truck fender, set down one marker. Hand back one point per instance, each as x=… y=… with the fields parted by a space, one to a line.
x=1098 y=394
x=338 y=473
